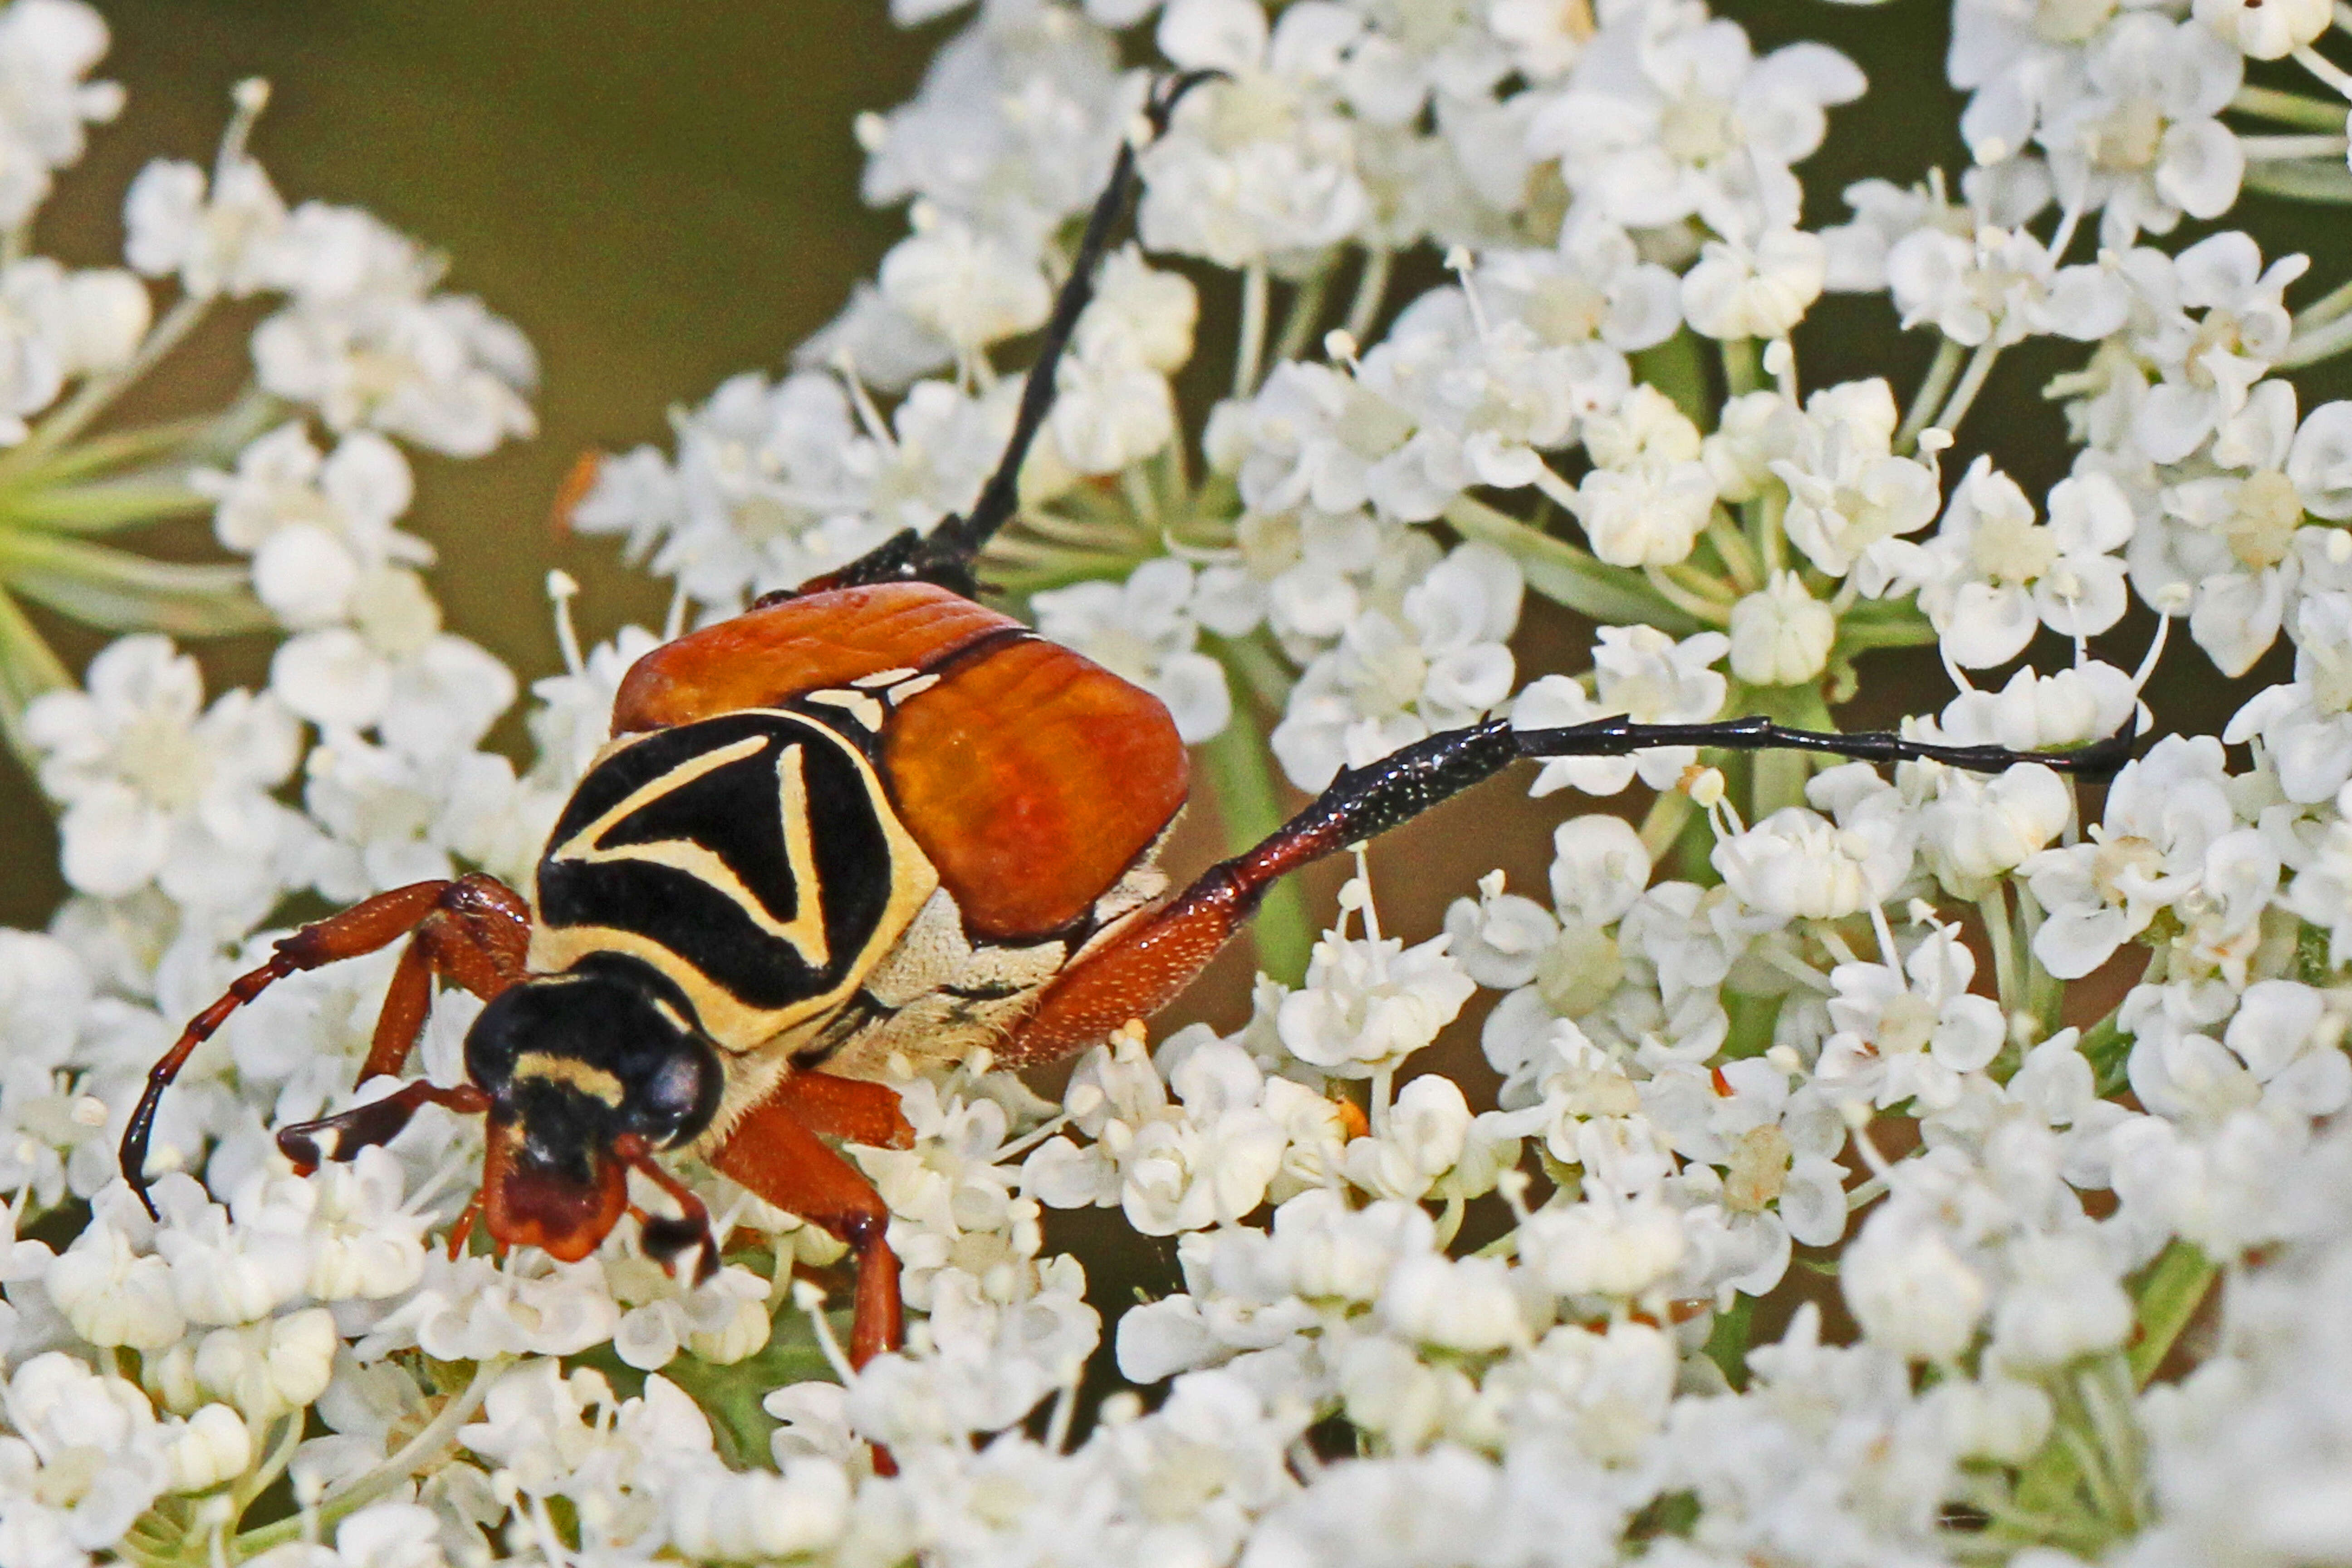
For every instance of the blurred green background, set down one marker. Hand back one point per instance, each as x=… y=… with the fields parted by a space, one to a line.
x=658 y=196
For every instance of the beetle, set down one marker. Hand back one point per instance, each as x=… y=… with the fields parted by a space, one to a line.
x=866 y=828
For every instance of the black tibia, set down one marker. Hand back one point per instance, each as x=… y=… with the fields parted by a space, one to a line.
x=309 y=1144
x=945 y=555
x=1618 y=737
x=1365 y=802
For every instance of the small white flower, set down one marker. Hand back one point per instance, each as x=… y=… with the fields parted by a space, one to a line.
x=1461 y=1304
x=969 y=287
x=1849 y=495
x=1911 y=1291
x=367 y=343
x=1992 y=575
x=157 y=789
x=2134 y=131
x=2163 y=812
x=1604 y=1246
x=1910 y=1035
x=1648 y=496
x=1438 y=661
x=218 y=240
x=1370 y=1002
x=1755 y=290
x=1644 y=674
x=2213 y=321
x=1797 y=863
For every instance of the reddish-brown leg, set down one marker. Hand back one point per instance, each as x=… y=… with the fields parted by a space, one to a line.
x=476 y=936
x=776 y=1152
x=473 y=930
x=1162 y=951
x=846 y=1108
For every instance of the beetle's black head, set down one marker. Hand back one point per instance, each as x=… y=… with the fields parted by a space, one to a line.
x=586 y=1072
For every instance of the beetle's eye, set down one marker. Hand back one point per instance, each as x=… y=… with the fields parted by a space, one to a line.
x=676 y=1100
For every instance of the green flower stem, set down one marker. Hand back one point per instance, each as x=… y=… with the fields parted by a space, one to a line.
x=99 y=392
x=1741 y=370
x=1663 y=822
x=2289 y=149
x=1741 y=562
x=2108 y=1050
x=1241 y=770
x=260 y=1479
x=103 y=505
x=1777 y=778
x=2321 y=343
x=1141 y=499
x=1251 y=353
x=118 y=591
x=2044 y=993
x=2175 y=1286
x=28 y=670
x=2325 y=180
x=1862 y=629
x=2095 y=1456
x=436 y=1434
x=1702 y=607
x=116 y=449
x=1676 y=368
x=2288 y=108
x=1300 y=319
x=1372 y=292
x=1994 y=910
x=1972 y=381
x=2335 y=302
x=1568 y=575
x=1932 y=391
x=1258 y=668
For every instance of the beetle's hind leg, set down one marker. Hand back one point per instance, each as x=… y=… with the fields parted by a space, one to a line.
x=1145 y=965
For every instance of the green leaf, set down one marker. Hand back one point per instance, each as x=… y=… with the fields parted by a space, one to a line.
x=731 y=1394
x=117 y=591
x=2169 y=1293
x=1560 y=572
x=1727 y=1343
x=1676 y=368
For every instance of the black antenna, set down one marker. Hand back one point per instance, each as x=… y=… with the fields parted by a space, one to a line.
x=945 y=555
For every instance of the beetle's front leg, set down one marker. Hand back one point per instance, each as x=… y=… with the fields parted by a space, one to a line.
x=363 y=929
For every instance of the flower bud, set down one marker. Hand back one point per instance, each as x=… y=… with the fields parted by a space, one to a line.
x=743 y=1334
x=2266 y=29
x=1781 y=636
x=213 y=1446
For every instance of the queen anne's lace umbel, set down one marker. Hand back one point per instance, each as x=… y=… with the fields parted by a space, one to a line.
x=1797 y=1021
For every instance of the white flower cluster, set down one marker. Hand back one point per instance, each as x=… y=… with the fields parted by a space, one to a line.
x=1797 y=1021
